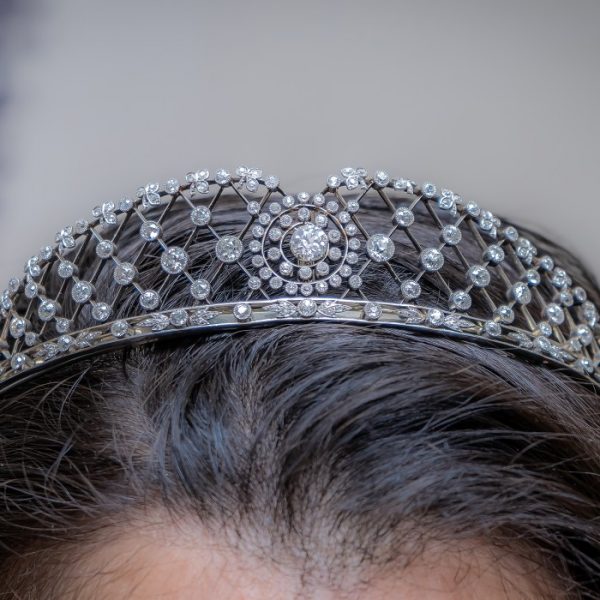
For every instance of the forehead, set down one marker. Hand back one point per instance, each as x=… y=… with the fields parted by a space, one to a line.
x=147 y=564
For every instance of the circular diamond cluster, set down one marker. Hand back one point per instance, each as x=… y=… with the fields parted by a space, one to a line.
x=303 y=244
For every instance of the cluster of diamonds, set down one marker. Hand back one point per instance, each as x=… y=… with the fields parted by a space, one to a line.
x=304 y=256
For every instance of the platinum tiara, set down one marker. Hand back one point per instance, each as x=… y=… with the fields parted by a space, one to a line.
x=303 y=257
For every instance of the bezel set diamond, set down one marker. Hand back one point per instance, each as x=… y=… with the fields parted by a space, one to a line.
x=304 y=257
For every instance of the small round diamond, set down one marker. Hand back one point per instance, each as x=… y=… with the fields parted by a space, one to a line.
x=101 y=311
x=229 y=248
x=492 y=328
x=200 y=289
x=291 y=288
x=305 y=273
x=521 y=293
x=404 y=216
x=429 y=190
x=451 y=235
x=18 y=361
x=271 y=182
x=555 y=313
x=64 y=342
x=309 y=243
x=174 y=260
x=355 y=281
x=579 y=294
x=479 y=275
x=275 y=282
x=435 y=317
x=533 y=277
x=460 y=300
x=372 y=311
x=380 y=247
x=62 y=325
x=82 y=291
x=545 y=328
x=410 y=289
x=432 y=259
x=584 y=333
x=66 y=269
x=47 y=310
x=381 y=178
x=546 y=263
x=150 y=231
x=17 y=327
x=31 y=338
x=494 y=254
x=307 y=307
x=119 y=328
x=149 y=299
x=178 y=317
x=505 y=313
x=222 y=177
x=242 y=311
x=124 y=273
x=105 y=249
x=172 y=186
x=200 y=215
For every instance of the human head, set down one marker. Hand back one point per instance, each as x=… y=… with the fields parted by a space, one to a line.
x=334 y=454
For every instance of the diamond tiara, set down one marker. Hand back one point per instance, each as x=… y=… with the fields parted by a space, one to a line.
x=302 y=257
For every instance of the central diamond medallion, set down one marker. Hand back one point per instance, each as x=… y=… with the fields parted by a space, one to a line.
x=309 y=243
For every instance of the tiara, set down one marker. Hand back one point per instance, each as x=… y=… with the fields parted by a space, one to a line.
x=301 y=257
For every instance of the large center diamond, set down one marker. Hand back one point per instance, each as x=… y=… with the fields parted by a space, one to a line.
x=309 y=243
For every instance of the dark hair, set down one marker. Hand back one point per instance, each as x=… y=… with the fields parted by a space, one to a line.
x=337 y=445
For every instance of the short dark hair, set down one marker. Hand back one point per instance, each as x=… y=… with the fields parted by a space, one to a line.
x=383 y=438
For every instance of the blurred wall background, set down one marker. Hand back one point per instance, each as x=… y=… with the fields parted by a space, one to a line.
x=497 y=100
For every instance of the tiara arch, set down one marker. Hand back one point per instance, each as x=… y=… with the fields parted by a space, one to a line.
x=303 y=257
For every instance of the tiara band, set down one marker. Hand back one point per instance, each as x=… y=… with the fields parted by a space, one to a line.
x=304 y=258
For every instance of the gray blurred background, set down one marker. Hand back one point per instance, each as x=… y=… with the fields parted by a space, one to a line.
x=497 y=100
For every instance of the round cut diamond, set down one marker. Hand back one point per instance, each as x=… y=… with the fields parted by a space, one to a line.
x=521 y=293
x=150 y=231
x=229 y=248
x=222 y=177
x=242 y=311
x=432 y=259
x=410 y=289
x=372 y=311
x=307 y=307
x=105 y=248
x=82 y=291
x=200 y=289
x=149 y=299
x=435 y=317
x=66 y=269
x=47 y=309
x=200 y=215
x=505 y=313
x=309 y=243
x=479 y=275
x=17 y=327
x=494 y=254
x=119 y=328
x=62 y=325
x=461 y=300
x=380 y=247
x=174 y=260
x=178 y=317
x=18 y=361
x=124 y=273
x=451 y=235
x=555 y=313
x=492 y=328
x=101 y=311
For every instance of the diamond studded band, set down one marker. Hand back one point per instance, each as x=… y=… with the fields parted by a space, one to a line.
x=304 y=257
